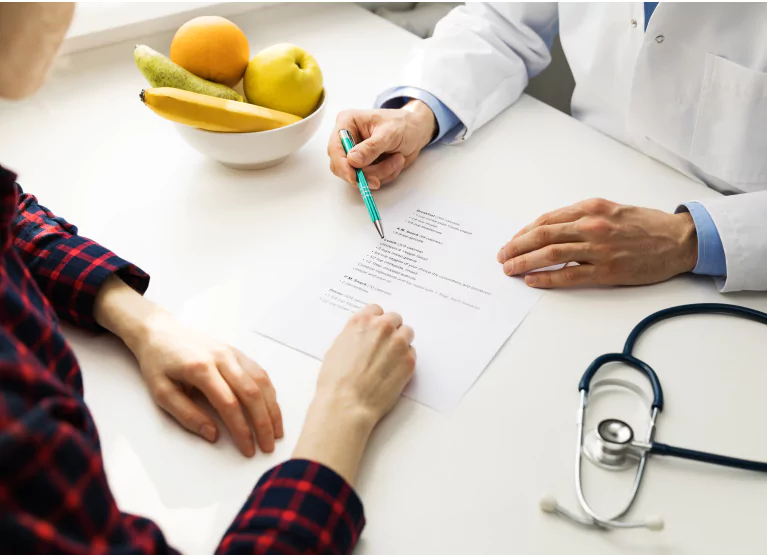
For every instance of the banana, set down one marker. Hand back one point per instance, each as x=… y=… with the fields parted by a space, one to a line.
x=161 y=72
x=213 y=114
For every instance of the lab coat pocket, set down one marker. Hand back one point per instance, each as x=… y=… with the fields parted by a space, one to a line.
x=729 y=141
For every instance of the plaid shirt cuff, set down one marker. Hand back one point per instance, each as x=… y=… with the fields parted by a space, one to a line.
x=68 y=268
x=73 y=274
x=297 y=507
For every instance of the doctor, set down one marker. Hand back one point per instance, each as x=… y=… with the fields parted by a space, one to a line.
x=682 y=83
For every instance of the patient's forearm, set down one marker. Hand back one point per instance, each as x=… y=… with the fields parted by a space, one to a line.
x=335 y=436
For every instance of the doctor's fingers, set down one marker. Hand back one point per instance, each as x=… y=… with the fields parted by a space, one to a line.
x=564 y=215
x=538 y=238
x=569 y=276
x=590 y=207
x=347 y=120
x=383 y=139
x=339 y=166
x=385 y=171
x=550 y=255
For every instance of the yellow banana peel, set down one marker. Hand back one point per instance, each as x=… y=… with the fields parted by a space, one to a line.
x=211 y=113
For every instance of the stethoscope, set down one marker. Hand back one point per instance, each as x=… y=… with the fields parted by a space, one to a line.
x=612 y=444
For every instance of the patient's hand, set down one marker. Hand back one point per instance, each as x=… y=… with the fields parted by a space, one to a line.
x=363 y=375
x=176 y=360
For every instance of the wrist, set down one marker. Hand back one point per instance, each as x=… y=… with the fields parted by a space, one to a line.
x=688 y=242
x=425 y=120
x=337 y=409
x=126 y=313
x=335 y=435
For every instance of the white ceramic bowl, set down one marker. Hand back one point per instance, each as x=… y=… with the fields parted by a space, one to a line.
x=250 y=151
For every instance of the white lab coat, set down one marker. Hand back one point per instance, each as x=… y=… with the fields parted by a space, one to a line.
x=690 y=92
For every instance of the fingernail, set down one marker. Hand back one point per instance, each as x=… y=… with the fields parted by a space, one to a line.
x=355 y=157
x=502 y=256
x=508 y=267
x=208 y=432
x=251 y=447
x=530 y=280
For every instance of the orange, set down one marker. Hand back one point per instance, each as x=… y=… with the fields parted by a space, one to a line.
x=213 y=48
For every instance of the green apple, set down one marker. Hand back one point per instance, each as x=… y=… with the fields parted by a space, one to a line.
x=284 y=77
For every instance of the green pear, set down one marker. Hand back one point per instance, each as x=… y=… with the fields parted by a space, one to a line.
x=160 y=71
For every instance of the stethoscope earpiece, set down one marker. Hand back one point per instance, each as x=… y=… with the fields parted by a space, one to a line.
x=548 y=504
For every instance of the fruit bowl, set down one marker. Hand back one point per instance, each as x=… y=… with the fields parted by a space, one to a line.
x=251 y=151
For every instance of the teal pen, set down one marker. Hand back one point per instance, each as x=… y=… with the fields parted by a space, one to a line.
x=362 y=184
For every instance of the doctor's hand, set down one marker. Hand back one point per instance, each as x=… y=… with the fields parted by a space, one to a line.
x=613 y=244
x=388 y=141
x=176 y=361
x=364 y=373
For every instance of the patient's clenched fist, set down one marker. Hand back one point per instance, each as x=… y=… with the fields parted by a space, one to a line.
x=369 y=364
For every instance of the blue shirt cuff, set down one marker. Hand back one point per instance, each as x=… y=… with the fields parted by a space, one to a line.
x=711 y=258
x=399 y=96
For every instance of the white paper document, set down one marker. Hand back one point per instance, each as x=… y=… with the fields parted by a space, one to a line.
x=437 y=267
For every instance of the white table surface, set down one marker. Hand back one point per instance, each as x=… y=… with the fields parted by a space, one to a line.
x=460 y=483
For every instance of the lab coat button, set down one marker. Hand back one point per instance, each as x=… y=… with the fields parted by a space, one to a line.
x=659 y=39
x=633 y=22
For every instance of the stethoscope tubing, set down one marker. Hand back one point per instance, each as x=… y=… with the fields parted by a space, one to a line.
x=650 y=447
x=627 y=357
x=711 y=458
x=685 y=309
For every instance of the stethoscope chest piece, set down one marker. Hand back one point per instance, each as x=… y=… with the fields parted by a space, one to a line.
x=609 y=445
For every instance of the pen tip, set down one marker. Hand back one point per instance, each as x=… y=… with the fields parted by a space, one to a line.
x=379 y=228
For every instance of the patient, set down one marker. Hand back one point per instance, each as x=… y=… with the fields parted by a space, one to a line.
x=54 y=496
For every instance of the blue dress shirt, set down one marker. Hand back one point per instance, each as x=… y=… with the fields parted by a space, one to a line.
x=711 y=258
x=649 y=8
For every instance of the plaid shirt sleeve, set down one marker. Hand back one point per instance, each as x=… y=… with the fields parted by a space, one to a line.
x=299 y=507
x=69 y=269
x=54 y=496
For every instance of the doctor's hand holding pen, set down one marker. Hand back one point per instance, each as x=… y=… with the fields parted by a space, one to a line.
x=388 y=141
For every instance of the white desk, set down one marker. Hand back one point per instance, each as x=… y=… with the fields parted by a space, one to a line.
x=463 y=483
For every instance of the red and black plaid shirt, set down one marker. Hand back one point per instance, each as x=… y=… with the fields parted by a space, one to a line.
x=54 y=496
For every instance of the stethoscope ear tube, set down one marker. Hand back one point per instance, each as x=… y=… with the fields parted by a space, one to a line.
x=695 y=308
x=632 y=361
